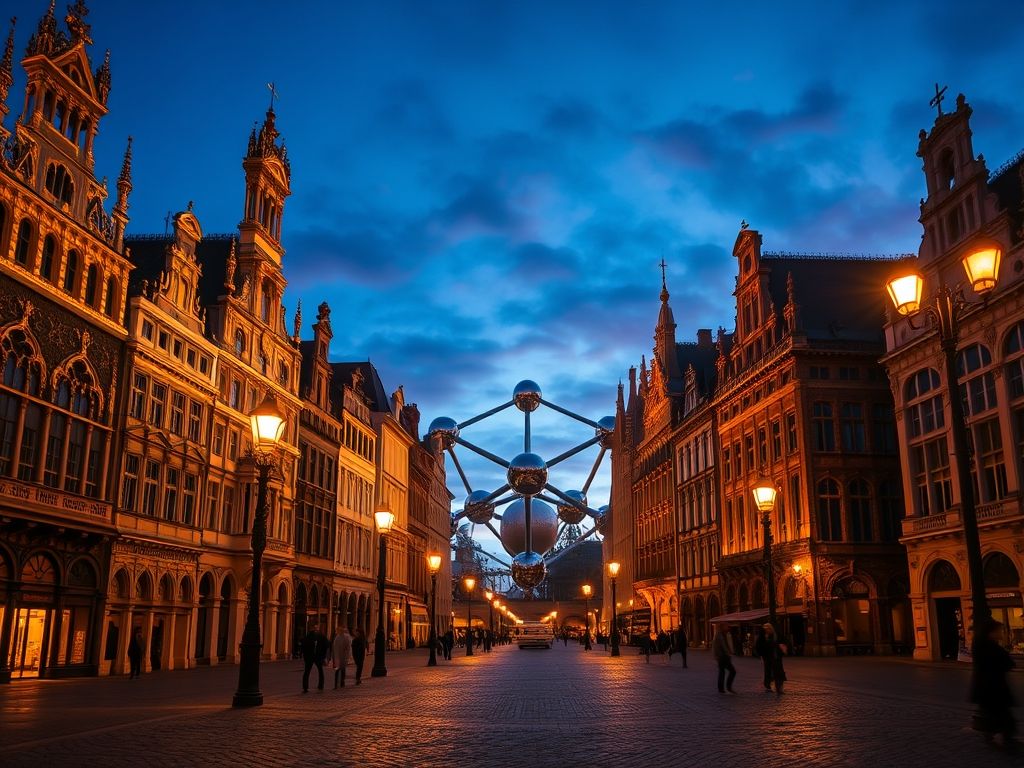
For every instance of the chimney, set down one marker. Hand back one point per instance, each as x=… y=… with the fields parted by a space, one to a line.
x=704 y=339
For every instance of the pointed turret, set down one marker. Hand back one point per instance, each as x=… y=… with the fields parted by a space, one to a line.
x=103 y=78
x=47 y=39
x=298 y=321
x=75 y=21
x=267 y=184
x=124 y=188
x=665 y=339
x=6 y=74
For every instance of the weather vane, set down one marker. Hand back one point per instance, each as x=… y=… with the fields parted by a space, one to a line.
x=273 y=95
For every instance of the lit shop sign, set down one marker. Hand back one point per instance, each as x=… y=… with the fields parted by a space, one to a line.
x=51 y=498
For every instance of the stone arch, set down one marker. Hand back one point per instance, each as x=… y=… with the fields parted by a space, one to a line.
x=122 y=584
x=84 y=392
x=942 y=576
x=757 y=594
x=206 y=586
x=144 y=586
x=1000 y=571
x=83 y=574
x=6 y=565
x=166 y=592
x=228 y=590
x=744 y=597
x=185 y=589
x=40 y=569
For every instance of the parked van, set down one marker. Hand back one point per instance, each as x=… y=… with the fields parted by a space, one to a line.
x=534 y=634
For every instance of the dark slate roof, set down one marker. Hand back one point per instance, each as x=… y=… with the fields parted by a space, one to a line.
x=1006 y=184
x=307 y=353
x=840 y=298
x=148 y=255
x=372 y=387
x=702 y=358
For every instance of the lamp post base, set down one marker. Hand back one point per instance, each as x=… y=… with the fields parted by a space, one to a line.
x=248 y=699
x=379 y=672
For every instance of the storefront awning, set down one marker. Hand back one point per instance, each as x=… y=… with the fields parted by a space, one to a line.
x=741 y=617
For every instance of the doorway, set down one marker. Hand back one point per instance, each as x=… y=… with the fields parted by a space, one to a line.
x=30 y=625
x=947 y=623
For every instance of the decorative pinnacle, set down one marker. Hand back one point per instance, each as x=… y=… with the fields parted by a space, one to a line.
x=664 y=286
x=7 y=62
x=126 y=167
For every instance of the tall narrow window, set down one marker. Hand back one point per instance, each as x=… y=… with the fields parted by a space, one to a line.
x=24 y=244
x=91 y=280
x=859 y=506
x=212 y=504
x=824 y=428
x=47 y=259
x=110 y=298
x=177 y=413
x=791 y=433
x=71 y=272
x=830 y=519
x=150 y=487
x=890 y=510
x=852 y=425
x=54 y=446
x=171 y=480
x=130 y=481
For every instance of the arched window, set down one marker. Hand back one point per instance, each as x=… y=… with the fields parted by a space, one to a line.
x=24 y=244
x=59 y=184
x=859 y=506
x=946 y=169
x=830 y=518
x=91 y=279
x=1013 y=355
x=47 y=261
x=924 y=410
x=22 y=369
x=109 y=301
x=239 y=342
x=76 y=390
x=266 y=301
x=890 y=510
x=71 y=272
x=977 y=385
x=282 y=373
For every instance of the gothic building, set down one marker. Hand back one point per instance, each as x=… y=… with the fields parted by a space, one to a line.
x=130 y=366
x=63 y=280
x=965 y=204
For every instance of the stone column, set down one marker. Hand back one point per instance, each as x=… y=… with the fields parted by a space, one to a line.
x=213 y=628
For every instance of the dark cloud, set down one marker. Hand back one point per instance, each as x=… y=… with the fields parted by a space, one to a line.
x=409 y=108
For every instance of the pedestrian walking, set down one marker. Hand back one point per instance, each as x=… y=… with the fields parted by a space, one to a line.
x=359 y=653
x=722 y=648
x=341 y=648
x=678 y=644
x=314 y=651
x=771 y=651
x=135 y=654
x=990 y=686
x=449 y=644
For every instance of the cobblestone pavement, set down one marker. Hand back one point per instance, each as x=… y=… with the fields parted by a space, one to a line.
x=509 y=708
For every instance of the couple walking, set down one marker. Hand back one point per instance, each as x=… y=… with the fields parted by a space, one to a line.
x=768 y=648
x=316 y=648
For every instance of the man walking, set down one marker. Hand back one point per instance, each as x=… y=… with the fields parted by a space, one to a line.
x=340 y=650
x=135 y=654
x=359 y=653
x=314 y=651
x=678 y=644
x=721 y=646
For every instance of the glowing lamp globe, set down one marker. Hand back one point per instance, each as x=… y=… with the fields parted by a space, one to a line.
x=434 y=563
x=613 y=568
x=764 y=496
x=267 y=423
x=981 y=263
x=905 y=292
x=469 y=582
x=385 y=519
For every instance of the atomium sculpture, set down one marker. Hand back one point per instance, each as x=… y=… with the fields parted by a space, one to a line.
x=529 y=525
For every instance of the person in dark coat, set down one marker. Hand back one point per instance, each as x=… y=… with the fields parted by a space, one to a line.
x=135 y=646
x=678 y=644
x=314 y=651
x=721 y=648
x=771 y=652
x=990 y=686
x=359 y=653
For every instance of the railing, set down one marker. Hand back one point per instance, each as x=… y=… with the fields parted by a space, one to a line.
x=918 y=525
x=998 y=509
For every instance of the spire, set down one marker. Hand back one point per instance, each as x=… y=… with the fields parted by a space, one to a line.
x=665 y=338
x=47 y=39
x=76 y=22
x=103 y=78
x=298 y=321
x=124 y=181
x=620 y=404
x=264 y=143
x=6 y=69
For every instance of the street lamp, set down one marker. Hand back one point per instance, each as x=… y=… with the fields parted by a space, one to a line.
x=764 y=498
x=384 y=518
x=613 y=572
x=469 y=582
x=489 y=596
x=586 y=616
x=433 y=565
x=267 y=423
x=981 y=263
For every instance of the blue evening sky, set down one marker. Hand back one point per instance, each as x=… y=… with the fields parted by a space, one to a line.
x=482 y=191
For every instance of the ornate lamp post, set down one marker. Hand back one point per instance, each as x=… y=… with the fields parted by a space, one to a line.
x=489 y=596
x=586 y=616
x=384 y=518
x=267 y=423
x=433 y=565
x=764 y=498
x=981 y=263
x=468 y=583
x=613 y=572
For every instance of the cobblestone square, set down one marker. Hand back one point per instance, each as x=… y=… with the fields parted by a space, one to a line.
x=509 y=708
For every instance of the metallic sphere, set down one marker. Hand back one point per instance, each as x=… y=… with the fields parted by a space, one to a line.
x=478 y=510
x=527 y=474
x=526 y=395
x=543 y=526
x=605 y=428
x=570 y=513
x=528 y=569
x=601 y=519
x=444 y=428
